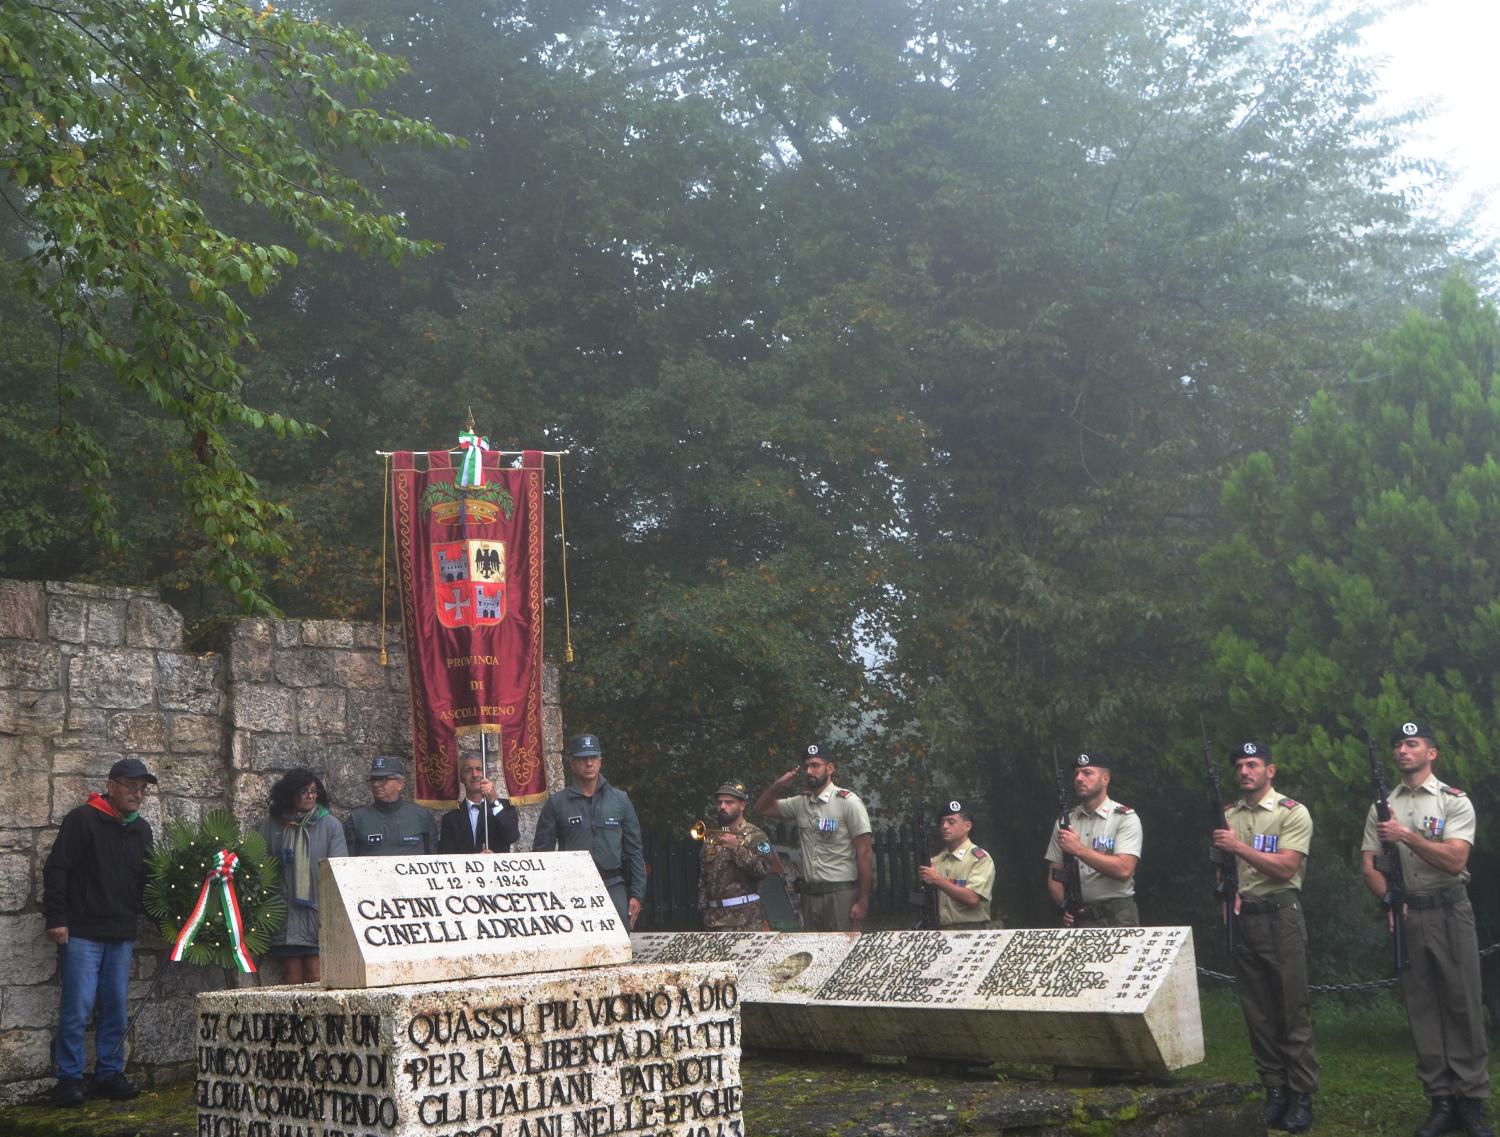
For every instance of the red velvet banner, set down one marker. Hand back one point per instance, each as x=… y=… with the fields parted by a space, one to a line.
x=471 y=597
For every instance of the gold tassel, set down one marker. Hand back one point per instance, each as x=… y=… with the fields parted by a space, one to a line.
x=562 y=529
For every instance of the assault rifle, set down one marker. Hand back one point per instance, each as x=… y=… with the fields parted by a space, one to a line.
x=1069 y=875
x=927 y=896
x=1388 y=861
x=1227 y=876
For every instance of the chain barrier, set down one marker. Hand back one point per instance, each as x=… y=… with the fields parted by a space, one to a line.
x=1339 y=988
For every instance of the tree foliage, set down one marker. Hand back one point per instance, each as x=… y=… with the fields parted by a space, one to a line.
x=1356 y=586
x=919 y=334
x=130 y=128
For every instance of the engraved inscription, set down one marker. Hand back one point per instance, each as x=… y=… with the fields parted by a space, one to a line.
x=888 y=967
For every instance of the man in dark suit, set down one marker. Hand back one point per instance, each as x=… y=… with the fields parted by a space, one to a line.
x=484 y=821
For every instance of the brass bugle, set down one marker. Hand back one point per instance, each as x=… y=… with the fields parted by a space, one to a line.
x=702 y=831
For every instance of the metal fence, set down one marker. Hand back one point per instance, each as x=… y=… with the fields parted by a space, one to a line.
x=672 y=872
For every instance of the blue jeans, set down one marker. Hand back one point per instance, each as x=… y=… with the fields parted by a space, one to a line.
x=92 y=969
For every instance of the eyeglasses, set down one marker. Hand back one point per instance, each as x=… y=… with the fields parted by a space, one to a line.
x=309 y=790
x=142 y=788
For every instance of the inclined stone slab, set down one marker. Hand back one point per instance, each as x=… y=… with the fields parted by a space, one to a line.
x=390 y=920
x=1112 y=998
x=634 y=1049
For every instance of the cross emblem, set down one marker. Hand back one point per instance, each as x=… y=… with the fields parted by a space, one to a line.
x=456 y=606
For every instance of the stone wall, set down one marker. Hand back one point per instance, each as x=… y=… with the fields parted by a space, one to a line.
x=90 y=674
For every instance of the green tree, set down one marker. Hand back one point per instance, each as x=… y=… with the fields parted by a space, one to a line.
x=1357 y=585
x=129 y=128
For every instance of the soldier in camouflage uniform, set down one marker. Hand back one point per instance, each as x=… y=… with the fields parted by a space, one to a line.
x=735 y=859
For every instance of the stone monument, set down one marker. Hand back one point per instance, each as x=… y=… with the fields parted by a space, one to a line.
x=480 y=996
x=1103 y=998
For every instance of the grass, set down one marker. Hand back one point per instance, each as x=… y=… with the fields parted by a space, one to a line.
x=1369 y=1081
x=1369 y=1086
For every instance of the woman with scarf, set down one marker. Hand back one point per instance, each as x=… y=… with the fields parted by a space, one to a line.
x=301 y=832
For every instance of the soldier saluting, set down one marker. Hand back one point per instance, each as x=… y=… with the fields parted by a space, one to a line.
x=735 y=860
x=1432 y=826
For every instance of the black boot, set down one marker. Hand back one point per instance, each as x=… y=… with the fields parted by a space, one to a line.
x=1298 y=1117
x=1442 y=1119
x=1274 y=1108
x=1471 y=1114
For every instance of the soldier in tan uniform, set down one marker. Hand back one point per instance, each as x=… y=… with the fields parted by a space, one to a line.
x=1432 y=826
x=1105 y=836
x=833 y=832
x=1271 y=835
x=962 y=873
x=735 y=859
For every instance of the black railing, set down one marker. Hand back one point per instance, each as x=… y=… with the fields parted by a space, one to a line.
x=672 y=873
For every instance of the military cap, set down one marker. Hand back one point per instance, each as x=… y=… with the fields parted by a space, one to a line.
x=816 y=750
x=585 y=746
x=732 y=789
x=955 y=807
x=1251 y=749
x=131 y=768
x=385 y=766
x=1413 y=730
x=1096 y=758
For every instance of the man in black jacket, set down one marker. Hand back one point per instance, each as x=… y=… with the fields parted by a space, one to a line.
x=484 y=821
x=91 y=894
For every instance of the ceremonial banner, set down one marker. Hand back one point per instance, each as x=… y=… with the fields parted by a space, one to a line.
x=470 y=560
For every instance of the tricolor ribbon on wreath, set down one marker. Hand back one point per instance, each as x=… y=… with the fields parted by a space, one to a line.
x=222 y=875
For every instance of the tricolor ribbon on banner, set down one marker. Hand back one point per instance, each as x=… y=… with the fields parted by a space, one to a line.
x=471 y=472
x=222 y=874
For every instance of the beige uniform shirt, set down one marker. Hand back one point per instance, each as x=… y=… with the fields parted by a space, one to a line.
x=1112 y=828
x=971 y=867
x=1438 y=812
x=1276 y=825
x=827 y=824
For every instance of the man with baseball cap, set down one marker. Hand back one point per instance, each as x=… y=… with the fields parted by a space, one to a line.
x=1432 y=826
x=736 y=857
x=1105 y=838
x=388 y=826
x=590 y=814
x=1271 y=835
x=833 y=832
x=962 y=873
x=92 y=885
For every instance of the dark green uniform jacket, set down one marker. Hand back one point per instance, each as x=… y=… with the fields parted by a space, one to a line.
x=400 y=829
x=605 y=825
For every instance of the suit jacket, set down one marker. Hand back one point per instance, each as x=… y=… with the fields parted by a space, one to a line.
x=456 y=836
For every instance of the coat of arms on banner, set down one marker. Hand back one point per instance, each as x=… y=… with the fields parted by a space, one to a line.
x=470 y=578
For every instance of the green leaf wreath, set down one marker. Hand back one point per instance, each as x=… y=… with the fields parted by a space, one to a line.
x=176 y=868
x=493 y=491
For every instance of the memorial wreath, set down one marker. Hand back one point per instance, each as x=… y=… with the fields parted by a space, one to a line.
x=216 y=894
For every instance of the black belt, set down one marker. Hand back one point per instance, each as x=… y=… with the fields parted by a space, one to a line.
x=1255 y=905
x=824 y=887
x=1443 y=898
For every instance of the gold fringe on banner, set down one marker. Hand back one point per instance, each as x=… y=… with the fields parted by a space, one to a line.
x=385 y=560
x=562 y=531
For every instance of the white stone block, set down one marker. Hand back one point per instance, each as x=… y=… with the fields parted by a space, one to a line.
x=1112 y=998
x=401 y=920
x=633 y=1049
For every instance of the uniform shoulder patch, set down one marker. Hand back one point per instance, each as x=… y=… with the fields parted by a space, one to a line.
x=1123 y=809
x=764 y=847
x=979 y=854
x=1289 y=803
x=845 y=793
x=1454 y=790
